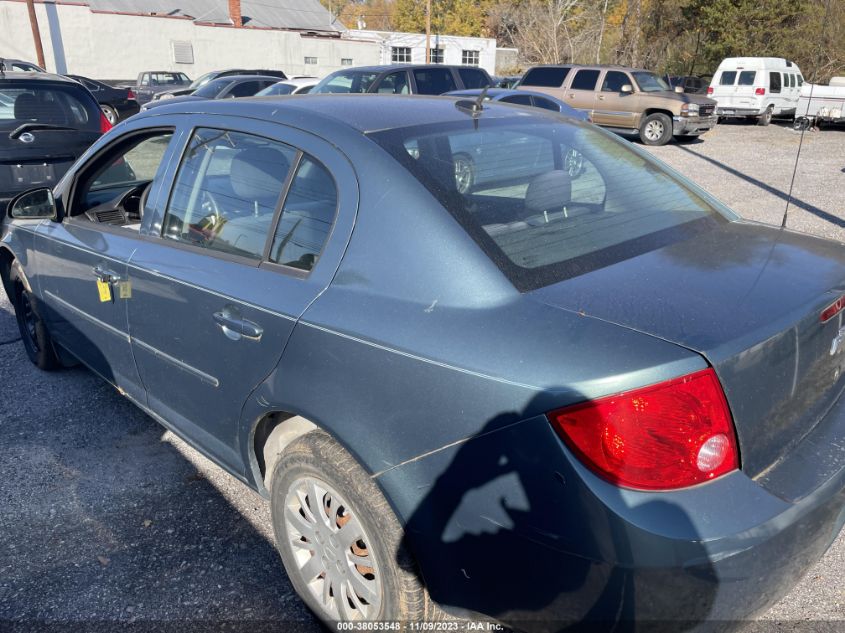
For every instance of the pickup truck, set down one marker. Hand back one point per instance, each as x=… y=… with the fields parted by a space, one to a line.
x=152 y=82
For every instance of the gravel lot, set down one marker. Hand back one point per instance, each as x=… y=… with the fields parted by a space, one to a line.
x=107 y=519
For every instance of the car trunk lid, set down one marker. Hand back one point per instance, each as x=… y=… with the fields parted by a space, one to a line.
x=749 y=298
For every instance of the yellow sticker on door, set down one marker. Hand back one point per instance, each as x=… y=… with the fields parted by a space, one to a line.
x=104 y=288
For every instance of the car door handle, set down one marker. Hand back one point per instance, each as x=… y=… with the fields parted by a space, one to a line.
x=601 y=97
x=106 y=275
x=234 y=327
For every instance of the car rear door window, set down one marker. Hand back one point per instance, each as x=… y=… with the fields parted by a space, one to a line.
x=774 y=82
x=746 y=78
x=226 y=192
x=473 y=78
x=517 y=99
x=585 y=80
x=307 y=217
x=614 y=80
x=546 y=104
x=434 y=81
x=394 y=83
x=245 y=89
x=545 y=77
x=727 y=78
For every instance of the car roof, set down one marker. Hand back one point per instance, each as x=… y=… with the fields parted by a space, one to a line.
x=594 y=67
x=234 y=78
x=389 y=67
x=361 y=112
x=32 y=75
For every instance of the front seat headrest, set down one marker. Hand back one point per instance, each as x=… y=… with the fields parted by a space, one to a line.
x=258 y=174
x=550 y=191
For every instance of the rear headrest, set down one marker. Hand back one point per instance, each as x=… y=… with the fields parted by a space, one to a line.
x=550 y=191
x=259 y=174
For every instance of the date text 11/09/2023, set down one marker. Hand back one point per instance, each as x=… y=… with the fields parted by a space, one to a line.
x=411 y=627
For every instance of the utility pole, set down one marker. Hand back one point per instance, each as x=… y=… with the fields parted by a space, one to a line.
x=36 y=34
x=427 y=31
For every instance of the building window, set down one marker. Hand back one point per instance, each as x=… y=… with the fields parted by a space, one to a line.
x=346 y=61
x=470 y=58
x=436 y=55
x=400 y=54
x=310 y=60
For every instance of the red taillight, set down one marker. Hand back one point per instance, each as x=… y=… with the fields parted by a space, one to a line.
x=105 y=126
x=130 y=95
x=670 y=435
x=760 y=92
x=833 y=309
x=710 y=90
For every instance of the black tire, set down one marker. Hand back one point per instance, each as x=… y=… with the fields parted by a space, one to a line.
x=800 y=124
x=346 y=496
x=766 y=118
x=464 y=172
x=111 y=113
x=34 y=335
x=656 y=129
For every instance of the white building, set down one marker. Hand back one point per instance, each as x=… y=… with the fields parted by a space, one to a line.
x=117 y=39
x=445 y=49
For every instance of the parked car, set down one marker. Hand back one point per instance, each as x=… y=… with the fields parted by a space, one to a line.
x=222 y=88
x=542 y=401
x=298 y=86
x=688 y=83
x=508 y=82
x=215 y=74
x=116 y=103
x=9 y=65
x=151 y=83
x=46 y=122
x=626 y=100
x=523 y=97
x=756 y=88
x=431 y=79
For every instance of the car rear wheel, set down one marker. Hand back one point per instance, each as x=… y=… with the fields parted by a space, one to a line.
x=111 y=114
x=464 y=173
x=338 y=538
x=656 y=129
x=766 y=117
x=34 y=335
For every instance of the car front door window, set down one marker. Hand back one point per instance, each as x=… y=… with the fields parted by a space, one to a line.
x=226 y=192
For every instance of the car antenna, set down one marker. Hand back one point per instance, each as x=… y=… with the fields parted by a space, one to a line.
x=809 y=101
x=473 y=107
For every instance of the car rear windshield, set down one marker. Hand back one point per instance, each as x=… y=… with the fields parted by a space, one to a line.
x=728 y=78
x=746 y=78
x=548 y=199
x=65 y=106
x=351 y=81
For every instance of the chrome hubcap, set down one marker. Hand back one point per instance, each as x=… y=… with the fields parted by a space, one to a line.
x=573 y=162
x=463 y=175
x=332 y=551
x=654 y=130
x=110 y=116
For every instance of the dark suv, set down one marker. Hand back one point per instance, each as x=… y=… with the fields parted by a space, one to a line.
x=46 y=123
x=426 y=79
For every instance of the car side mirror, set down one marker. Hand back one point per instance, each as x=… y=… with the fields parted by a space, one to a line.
x=679 y=88
x=36 y=204
x=627 y=89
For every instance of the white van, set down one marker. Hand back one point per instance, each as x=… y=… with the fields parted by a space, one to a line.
x=756 y=87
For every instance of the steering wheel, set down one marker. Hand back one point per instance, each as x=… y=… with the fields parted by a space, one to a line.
x=210 y=209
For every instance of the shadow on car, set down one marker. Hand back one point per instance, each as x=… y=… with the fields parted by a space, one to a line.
x=495 y=499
